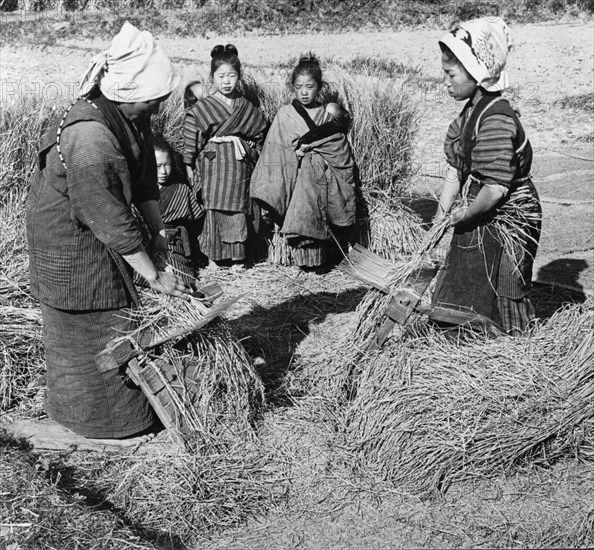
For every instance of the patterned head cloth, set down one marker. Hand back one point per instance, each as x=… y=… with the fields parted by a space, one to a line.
x=133 y=69
x=482 y=45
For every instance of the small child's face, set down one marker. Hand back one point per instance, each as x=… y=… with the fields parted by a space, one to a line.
x=164 y=166
x=460 y=85
x=225 y=79
x=334 y=110
x=199 y=90
x=306 y=90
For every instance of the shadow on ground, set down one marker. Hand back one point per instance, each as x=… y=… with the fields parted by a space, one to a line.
x=272 y=334
x=557 y=284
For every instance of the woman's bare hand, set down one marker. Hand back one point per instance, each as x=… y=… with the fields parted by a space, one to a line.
x=170 y=284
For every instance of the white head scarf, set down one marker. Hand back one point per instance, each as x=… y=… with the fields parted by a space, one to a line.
x=482 y=45
x=133 y=69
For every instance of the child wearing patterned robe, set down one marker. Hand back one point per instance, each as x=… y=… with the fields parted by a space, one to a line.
x=222 y=136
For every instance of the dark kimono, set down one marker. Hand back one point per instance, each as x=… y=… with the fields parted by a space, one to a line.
x=310 y=195
x=222 y=143
x=79 y=224
x=488 y=146
x=181 y=212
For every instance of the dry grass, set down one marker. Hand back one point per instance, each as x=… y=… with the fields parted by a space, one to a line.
x=185 y=496
x=21 y=360
x=21 y=127
x=21 y=354
x=430 y=410
x=160 y=500
x=38 y=512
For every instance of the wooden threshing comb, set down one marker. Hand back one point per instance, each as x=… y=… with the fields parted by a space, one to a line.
x=155 y=375
x=374 y=270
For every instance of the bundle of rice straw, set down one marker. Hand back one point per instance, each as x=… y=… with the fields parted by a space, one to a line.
x=515 y=221
x=216 y=393
x=395 y=231
x=14 y=266
x=430 y=411
x=279 y=252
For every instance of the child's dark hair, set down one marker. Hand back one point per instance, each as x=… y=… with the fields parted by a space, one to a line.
x=189 y=97
x=308 y=65
x=161 y=144
x=224 y=54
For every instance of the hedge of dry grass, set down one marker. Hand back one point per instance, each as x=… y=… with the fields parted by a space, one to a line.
x=187 y=18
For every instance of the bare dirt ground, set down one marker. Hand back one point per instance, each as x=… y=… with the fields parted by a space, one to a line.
x=551 y=64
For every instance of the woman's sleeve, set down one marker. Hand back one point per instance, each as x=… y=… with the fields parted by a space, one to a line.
x=99 y=185
x=192 y=137
x=493 y=153
x=451 y=144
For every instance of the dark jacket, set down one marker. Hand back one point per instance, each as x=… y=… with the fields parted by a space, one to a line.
x=79 y=219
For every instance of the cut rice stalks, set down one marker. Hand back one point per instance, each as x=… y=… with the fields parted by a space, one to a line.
x=204 y=382
x=279 y=252
x=395 y=231
x=517 y=222
x=430 y=411
x=21 y=361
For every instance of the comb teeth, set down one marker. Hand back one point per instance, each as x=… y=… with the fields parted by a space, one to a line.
x=368 y=267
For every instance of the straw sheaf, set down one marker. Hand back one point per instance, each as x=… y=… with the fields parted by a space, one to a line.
x=21 y=362
x=216 y=393
x=430 y=411
x=396 y=231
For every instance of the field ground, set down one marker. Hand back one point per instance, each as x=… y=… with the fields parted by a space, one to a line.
x=551 y=72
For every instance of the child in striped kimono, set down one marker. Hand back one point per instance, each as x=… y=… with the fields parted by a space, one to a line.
x=489 y=159
x=223 y=133
x=180 y=211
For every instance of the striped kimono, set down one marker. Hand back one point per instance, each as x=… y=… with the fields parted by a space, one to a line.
x=181 y=212
x=311 y=195
x=222 y=142
x=80 y=223
x=488 y=146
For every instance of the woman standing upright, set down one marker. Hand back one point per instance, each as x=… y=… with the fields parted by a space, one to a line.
x=489 y=159
x=223 y=133
x=83 y=239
